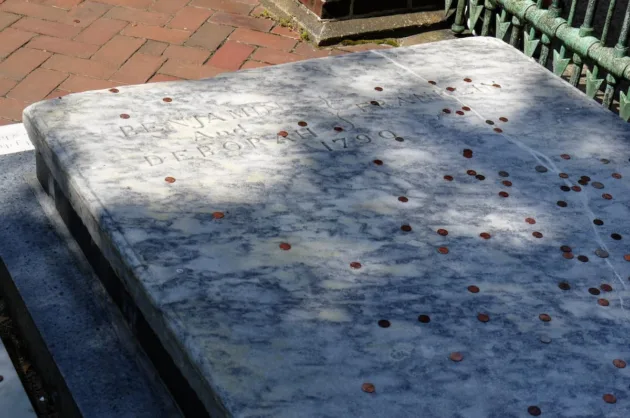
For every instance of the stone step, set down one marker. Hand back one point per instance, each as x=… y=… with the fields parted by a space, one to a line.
x=76 y=337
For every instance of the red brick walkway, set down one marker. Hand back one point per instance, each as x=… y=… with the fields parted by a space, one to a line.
x=50 y=48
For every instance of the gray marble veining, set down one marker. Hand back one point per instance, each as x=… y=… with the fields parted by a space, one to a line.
x=193 y=189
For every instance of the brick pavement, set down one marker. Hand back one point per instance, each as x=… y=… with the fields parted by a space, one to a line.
x=50 y=48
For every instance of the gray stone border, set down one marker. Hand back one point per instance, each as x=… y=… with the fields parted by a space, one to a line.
x=326 y=32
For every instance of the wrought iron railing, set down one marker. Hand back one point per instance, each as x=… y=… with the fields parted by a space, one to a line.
x=593 y=54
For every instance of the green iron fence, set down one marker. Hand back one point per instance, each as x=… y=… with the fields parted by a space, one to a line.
x=551 y=34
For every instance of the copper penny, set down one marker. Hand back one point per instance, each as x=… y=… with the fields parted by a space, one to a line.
x=384 y=323
x=442 y=232
x=498 y=130
x=451 y=88
x=399 y=139
x=124 y=116
x=218 y=215
x=568 y=256
x=530 y=221
x=466 y=108
x=167 y=100
x=169 y=179
x=598 y=222
x=375 y=103
x=562 y=203
x=504 y=194
x=607 y=196
x=603 y=302
x=378 y=88
x=544 y=317
x=432 y=82
x=564 y=285
x=593 y=291
x=302 y=123
x=582 y=258
x=626 y=257
x=425 y=319
x=283 y=134
x=565 y=156
x=503 y=119
x=355 y=265
x=601 y=253
x=456 y=356
x=565 y=188
x=378 y=162
x=443 y=250
x=534 y=411
x=338 y=128
x=285 y=246
x=606 y=287
x=483 y=317
x=446 y=110
x=406 y=228
x=473 y=289
x=620 y=364
x=565 y=249
x=616 y=175
x=585 y=178
x=485 y=235
x=471 y=172
x=448 y=178
x=537 y=234
x=489 y=122
x=615 y=236
x=576 y=188
x=403 y=199
x=480 y=177
x=507 y=183
x=496 y=85
x=368 y=388
x=563 y=175
x=597 y=185
x=459 y=112
x=468 y=80
x=541 y=169
x=609 y=398
x=114 y=90
x=583 y=182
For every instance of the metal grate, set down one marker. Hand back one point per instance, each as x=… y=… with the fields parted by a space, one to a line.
x=586 y=41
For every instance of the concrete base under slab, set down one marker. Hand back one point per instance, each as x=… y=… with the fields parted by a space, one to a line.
x=324 y=32
x=75 y=337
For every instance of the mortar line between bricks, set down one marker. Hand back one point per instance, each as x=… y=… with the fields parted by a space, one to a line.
x=125 y=61
x=101 y=18
x=22 y=46
x=248 y=57
x=219 y=46
x=62 y=81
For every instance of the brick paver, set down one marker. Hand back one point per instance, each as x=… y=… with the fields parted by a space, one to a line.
x=50 y=48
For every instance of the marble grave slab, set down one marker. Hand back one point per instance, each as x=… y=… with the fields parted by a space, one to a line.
x=433 y=231
x=14 y=139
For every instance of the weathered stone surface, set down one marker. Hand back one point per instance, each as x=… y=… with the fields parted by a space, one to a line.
x=284 y=229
